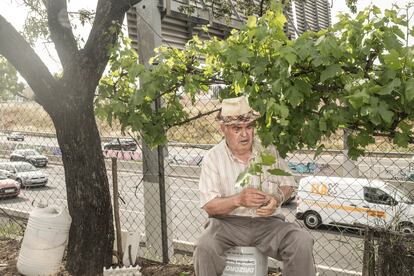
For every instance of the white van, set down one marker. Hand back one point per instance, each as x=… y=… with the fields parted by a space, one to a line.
x=353 y=201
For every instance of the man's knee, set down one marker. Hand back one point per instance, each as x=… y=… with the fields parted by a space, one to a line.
x=204 y=247
x=207 y=257
x=303 y=239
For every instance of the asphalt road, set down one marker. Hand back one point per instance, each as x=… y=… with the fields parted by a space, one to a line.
x=335 y=249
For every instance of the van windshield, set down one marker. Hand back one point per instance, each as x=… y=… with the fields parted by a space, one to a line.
x=399 y=194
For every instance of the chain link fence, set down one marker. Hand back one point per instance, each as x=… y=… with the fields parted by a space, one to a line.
x=158 y=189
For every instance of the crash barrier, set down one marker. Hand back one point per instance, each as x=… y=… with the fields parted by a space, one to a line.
x=44 y=241
x=123 y=155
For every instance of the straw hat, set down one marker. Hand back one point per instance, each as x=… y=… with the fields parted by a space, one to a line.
x=236 y=111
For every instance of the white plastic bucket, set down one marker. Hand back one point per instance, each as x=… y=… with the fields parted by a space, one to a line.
x=132 y=241
x=44 y=241
x=245 y=261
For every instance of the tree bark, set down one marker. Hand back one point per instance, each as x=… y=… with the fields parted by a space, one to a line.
x=91 y=233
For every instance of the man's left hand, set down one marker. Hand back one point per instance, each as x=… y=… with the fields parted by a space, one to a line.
x=268 y=209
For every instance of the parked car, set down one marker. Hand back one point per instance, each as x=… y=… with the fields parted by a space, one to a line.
x=6 y=173
x=15 y=136
x=126 y=144
x=353 y=201
x=8 y=187
x=25 y=173
x=29 y=155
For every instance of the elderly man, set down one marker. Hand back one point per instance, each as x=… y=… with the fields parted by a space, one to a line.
x=246 y=216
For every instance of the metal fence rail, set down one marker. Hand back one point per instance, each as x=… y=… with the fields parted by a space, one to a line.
x=146 y=203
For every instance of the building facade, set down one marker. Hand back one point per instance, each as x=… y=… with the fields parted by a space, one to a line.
x=181 y=19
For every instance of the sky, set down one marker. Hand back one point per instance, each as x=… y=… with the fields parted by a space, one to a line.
x=340 y=6
x=15 y=12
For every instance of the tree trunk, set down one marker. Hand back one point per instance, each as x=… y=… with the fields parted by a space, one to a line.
x=69 y=102
x=91 y=233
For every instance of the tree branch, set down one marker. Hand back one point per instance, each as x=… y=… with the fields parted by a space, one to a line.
x=61 y=31
x=105 y=30
x=351 y=69
x=261 y=7
x=388 y=134
x=194 y=118
x=19 y=53
x=392 y=135
x=370 y=63
x=35 y=6
x=327 y=88
x=401 y=117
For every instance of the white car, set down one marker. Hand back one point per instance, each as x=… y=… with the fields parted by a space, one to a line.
x=29 y=155
x=15 y=136
x=25 y=173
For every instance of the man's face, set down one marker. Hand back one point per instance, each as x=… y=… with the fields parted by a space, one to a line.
x=239 y=137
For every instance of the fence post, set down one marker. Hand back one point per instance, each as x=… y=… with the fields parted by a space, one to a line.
x=380 y=263
x=119 y=249
x=162 y=193
x=349 y=168
x=368 y=261
x=156 y=192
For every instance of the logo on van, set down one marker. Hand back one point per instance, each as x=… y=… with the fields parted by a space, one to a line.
x=377 y=214
x=318 y=188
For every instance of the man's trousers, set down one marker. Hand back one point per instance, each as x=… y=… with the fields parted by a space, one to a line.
x=272 y=236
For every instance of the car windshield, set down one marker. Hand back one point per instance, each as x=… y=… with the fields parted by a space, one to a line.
x=2 y=176
x=122 y=141
x=25 y=167
x=399 y=194
x=30 y=152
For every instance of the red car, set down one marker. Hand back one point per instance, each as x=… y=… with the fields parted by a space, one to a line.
x=8 y=187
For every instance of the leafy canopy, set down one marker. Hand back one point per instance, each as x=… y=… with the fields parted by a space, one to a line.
x=358 y=75
x=10 y=85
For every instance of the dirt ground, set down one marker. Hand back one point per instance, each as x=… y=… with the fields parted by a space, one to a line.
x=9 y=251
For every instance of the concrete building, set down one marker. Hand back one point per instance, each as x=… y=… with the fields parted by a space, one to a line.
x=181 y=19
x=312 y=15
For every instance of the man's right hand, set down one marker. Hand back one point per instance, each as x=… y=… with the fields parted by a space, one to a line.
x=253 y=198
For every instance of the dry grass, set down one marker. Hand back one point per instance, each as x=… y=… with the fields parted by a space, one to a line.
x=25 y=117
x=204 y=130
x=382 y=144
x=29 y=116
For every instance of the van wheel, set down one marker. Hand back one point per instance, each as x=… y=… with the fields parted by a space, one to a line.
x=312 y=220
x=406 y=228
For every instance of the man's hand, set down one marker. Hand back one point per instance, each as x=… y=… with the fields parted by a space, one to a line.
x=252 y=198
x=269 y=208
